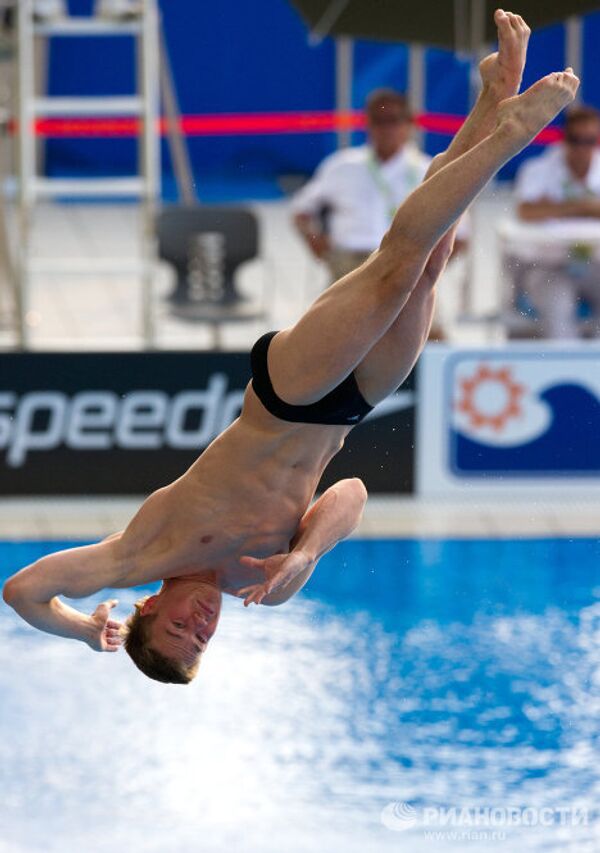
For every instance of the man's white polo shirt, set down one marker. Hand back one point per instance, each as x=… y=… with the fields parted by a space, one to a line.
x=361 y=193
x=548 y=176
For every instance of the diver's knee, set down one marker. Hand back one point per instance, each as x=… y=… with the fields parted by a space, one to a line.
x=398 y=271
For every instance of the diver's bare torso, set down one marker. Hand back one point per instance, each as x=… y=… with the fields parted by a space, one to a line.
x=244 y=496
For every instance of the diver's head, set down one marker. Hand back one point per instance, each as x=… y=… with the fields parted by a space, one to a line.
x=168 y=633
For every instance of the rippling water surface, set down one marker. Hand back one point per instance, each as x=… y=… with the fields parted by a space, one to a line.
x=410 y=680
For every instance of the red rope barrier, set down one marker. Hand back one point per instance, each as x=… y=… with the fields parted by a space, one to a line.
x=246 y=124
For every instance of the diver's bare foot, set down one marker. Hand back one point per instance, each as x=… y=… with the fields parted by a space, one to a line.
x=502 y=72
x=523 y=116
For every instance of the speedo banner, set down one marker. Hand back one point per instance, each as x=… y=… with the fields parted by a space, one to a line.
x=128 y=423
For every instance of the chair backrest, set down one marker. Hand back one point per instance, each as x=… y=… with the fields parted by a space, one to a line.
x=205 y=245
x=178 y=227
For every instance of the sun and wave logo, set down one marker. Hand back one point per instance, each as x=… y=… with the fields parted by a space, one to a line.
x=490 y=397
x=399 y=816
x=524 y=415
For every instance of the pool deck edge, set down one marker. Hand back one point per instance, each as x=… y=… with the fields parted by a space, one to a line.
x=384 y=517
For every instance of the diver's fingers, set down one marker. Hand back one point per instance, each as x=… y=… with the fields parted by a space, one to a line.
x=256 y=595
x=243 y=592
x=247 y=594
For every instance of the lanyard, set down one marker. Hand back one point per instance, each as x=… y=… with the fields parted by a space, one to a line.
x=576 y=189
x=384 y=186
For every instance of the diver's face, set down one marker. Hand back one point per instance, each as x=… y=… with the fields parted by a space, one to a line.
x=186 y=614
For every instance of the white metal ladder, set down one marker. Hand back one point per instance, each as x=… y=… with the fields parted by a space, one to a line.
x=144 y=104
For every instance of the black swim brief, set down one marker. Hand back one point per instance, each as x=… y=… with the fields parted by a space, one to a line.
x=344 y=405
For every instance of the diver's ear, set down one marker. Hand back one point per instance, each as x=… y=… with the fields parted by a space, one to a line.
x=149 y=605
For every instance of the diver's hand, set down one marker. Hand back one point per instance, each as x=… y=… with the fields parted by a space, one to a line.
x=104 y=632
x=279 y=570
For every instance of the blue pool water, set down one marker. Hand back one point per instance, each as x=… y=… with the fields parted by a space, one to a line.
x=411 y=686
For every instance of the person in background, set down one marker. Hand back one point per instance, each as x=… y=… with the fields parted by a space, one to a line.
x=360 y=188
x=563 y=183
x=343 y=212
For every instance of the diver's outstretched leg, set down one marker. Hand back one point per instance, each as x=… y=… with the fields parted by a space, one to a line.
x=338 y=330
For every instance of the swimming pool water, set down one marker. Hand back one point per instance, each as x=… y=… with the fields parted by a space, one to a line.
x=409 y=678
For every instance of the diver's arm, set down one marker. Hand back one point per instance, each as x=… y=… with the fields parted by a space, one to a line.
x=330 y=519
x=333 y=517
x=33 y=594
x=54 y=617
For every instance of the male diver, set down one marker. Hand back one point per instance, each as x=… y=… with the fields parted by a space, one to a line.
x=238 y=521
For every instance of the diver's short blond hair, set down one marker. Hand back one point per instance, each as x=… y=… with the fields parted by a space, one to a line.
x=152 y=663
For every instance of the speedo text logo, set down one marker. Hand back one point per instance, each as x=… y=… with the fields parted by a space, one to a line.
x=99 y=420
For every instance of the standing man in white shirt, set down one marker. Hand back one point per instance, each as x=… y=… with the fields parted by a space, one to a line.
x=563 y=183
x=361 y=187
